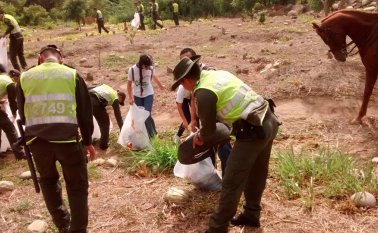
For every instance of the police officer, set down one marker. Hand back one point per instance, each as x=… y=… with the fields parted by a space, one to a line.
x=102 y=96
x=140 y=10
x=54 y=104
x=155 y=14
x=221 y=96
x=16 y=44
x=8 y=87
x=175 y=9
x=100 y=21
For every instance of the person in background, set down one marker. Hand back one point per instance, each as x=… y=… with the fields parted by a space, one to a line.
x=221 y=96
x=176 y=12
x=140 y=10
x=54 y=103
x=8 y=89
x=155 y=14
x=140 y=90
x=100 y=21
x=102 y=96
x=16 y=41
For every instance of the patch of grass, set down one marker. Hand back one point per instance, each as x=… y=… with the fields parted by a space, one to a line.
x=31 y=53
x=328 y=173
x=21 y=206
x=115 y=60
x=93 y=171
x=293 y=30
x=162 y=156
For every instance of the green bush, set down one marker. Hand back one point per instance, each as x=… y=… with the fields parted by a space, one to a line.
x=34 y=15
x=316 y=5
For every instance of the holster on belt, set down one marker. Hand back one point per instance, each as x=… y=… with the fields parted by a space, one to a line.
x=244 y=130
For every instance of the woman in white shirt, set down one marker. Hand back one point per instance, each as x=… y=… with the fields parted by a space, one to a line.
x=140 y=90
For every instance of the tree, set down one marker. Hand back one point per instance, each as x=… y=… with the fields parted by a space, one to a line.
x=75 y=10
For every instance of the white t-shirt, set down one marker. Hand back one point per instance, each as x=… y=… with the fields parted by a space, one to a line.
x=182 y=94
x=146 y=81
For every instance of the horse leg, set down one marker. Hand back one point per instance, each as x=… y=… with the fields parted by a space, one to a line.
x=371 y=78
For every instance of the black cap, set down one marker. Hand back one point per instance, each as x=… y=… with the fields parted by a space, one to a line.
x=14 y=73
x=123 y=95
x=50 y=47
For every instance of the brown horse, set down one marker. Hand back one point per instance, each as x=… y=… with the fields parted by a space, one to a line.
x=362 y=28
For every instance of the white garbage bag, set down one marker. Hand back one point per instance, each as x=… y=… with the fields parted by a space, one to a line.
x=203 y=174
x=4 y=140
x=3 y=53
x=136 y=21
x=96 y=129
x=134 y=133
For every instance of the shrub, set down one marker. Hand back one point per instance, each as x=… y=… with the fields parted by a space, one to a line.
x=34 y=15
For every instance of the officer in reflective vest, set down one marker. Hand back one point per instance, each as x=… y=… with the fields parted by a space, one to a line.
x=102 y=96
x=219 y=95
x=16 y=44
x=100 y=21
x=8 y=88
x=175 y=10
x=54 y=104
x=155 y=14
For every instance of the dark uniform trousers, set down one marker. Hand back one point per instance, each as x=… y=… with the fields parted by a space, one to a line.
x=10 y=131
x=72 y=158
x=100 y=25
x=16 y=49
x=176 y=18
x=246 y=171
x=141 y=17
x=102 y=118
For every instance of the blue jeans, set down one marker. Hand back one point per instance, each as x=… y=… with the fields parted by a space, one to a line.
x=147 y=102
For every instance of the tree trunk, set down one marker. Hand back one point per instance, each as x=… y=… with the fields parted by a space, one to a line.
x=325 y=6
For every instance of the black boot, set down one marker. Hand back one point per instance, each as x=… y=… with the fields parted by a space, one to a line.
x=245 y=221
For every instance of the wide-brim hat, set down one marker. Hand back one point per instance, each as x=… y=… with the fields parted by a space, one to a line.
x=182 y=69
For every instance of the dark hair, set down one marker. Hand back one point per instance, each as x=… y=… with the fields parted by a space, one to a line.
x=186 y=50
x=2 y=69
x=145 y=59
x=194 y=72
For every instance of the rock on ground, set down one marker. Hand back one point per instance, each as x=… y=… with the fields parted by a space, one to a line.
x=25 y=175
x=38 y=226
x=6 y=186
x=363 y=199
x=176 y=196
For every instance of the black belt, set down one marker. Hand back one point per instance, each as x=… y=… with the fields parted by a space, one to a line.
x=242 y=129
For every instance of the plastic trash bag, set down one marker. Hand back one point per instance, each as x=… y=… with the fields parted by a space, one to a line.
x=136 y=21
x=3 y=53
x=96 y=129
x=203 y=174
x=134 y=133
x=4 y=140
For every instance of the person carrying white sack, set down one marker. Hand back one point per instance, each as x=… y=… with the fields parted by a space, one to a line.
x=8 y=87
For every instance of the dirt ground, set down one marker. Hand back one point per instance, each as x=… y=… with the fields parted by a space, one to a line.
x=316 y=99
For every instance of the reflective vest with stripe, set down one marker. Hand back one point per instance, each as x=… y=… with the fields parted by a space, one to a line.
x=175 y=7
x=49 y=91
x=140 y=8
x=5 y=80
x=106 y=92
x=13 y=21
x=99 y=14
x=235 y=99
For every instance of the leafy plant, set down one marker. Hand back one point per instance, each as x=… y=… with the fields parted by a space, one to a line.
x=333 y=172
